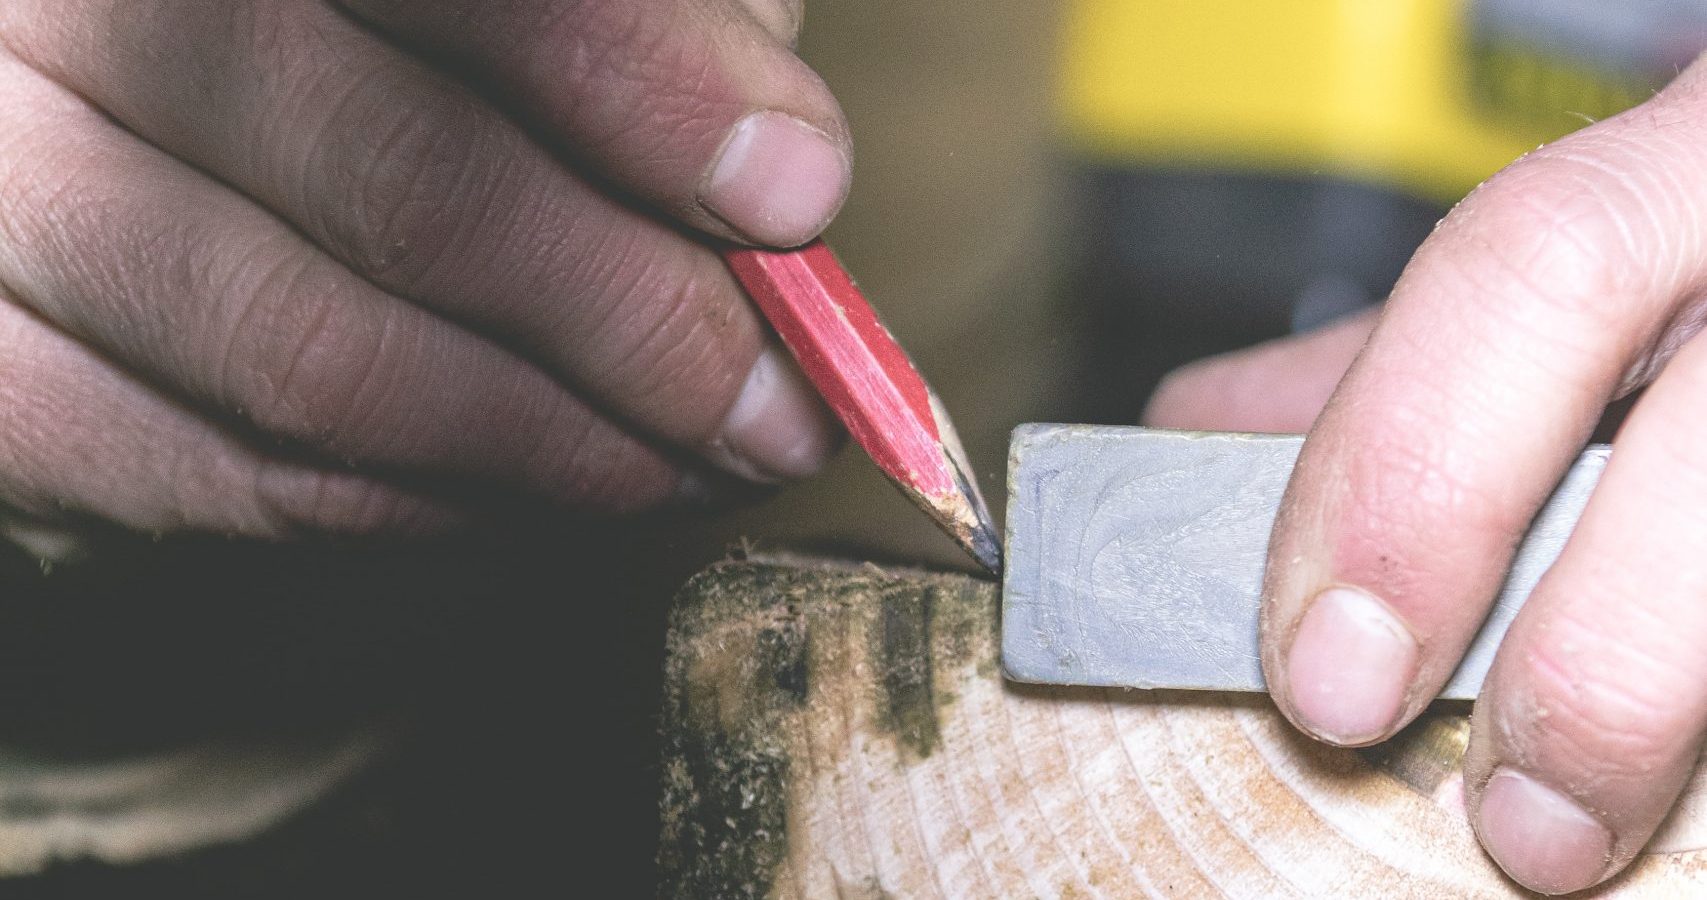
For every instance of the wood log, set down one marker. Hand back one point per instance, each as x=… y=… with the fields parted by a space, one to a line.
x=836 y=730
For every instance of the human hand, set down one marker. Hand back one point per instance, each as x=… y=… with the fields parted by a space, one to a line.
x=274 y=266
x=1568 y=280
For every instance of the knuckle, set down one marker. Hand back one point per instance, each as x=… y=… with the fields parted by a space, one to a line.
x=307 y=363
x=416 y=176
x=1608 y=708
x=639 y=81
x=1563 y=227
x=677 y=355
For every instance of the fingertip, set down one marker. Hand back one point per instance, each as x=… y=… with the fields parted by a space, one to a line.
x=778 y=428
x=1348 y=672
x=1279 y=386
x=777 y=180
x=1541 y=837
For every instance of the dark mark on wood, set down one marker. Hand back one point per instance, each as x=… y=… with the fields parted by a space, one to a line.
x=907 y=668
x=756 y=649
x=725 y=775
x=783 y=653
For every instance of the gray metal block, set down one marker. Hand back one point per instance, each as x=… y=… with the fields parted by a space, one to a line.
x=1135 y=556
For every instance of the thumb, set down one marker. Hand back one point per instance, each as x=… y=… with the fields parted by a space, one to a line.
x=698 y=107
x=1279 y=386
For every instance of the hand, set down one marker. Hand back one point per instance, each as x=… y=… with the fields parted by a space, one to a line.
x=274 y=266
x=1565 y=282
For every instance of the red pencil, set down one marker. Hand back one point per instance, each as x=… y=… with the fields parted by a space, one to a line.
x=868 y=380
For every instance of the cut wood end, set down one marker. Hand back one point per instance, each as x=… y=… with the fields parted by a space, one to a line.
x=833 y=730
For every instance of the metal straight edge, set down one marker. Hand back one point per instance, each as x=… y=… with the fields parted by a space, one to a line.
x=1135 y=556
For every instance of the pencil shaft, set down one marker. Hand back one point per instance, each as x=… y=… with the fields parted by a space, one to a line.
x=869 y=382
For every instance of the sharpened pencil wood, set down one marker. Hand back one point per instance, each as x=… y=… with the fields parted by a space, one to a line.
x=870 y=384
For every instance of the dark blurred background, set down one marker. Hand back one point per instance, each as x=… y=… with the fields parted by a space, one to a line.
x=1054 y=204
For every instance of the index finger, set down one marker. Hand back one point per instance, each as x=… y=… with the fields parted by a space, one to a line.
x=1547 y=291
x=698 y=106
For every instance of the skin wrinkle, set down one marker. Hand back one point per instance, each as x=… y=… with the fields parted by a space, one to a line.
x=609 y=42
x=1568 y=357
x=321 y=424
x=1559 y=282
x=1561 y=362
x=1410 y=485
x=1624 y=716
x=41 y=475
x=627 y=268
x=28 y=470
x=1687 y=322
x=283 y=399
x=671 y=429
x=501 y=194
x=1394 y=465
x=104 y=287
x=1645 y=787
x=637 y=342
x=1611 y=187
x=282 y=44
x=404 y=226
x=466 y=175
x=664 y=371
x=1650 y=187
x=262 y=278
x=1603 y=724
x=675 y=86
x=656 y=325
x=400 y=345
x=223 y=381
x=724 y=296
x=648 y=277
x=1664 y=186
x=351 y=110
x=1518 y=321
x=153 y=492
x=672 y=132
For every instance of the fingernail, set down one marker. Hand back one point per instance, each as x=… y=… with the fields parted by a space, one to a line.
x=778 y=428
x=1349 y=667
x=778 y=180
x=1540 y=837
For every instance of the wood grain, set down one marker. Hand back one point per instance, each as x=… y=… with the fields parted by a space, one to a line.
x=843 y=731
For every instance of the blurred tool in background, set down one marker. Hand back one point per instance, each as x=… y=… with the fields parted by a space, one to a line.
x=1249 y=169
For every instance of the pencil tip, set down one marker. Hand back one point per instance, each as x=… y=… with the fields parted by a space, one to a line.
x=985 y=548
x=980 y=539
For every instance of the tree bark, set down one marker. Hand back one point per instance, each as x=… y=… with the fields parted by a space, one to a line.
x=837 y=730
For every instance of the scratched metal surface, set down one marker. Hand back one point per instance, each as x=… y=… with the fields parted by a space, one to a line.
x=1135 y=556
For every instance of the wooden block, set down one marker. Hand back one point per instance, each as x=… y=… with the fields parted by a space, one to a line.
x=836 y=730
x=1135 y=556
